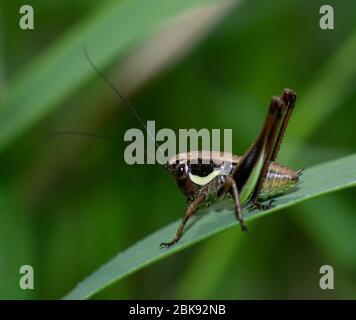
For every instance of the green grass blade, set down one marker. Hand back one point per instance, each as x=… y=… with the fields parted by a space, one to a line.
x=325 y=97
x=187 y=287
x=332 y=221
x=316 y=181
x=109 y=33
x=15 y=224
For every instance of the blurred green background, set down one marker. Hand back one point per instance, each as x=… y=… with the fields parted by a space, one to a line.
x=70 y=204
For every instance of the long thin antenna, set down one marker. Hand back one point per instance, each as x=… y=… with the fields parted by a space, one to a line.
x=80 y=133
x=89 y=134
x=123 y=99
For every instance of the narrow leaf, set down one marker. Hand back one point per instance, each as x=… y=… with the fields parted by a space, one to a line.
x=109 y=33
x=316 y=181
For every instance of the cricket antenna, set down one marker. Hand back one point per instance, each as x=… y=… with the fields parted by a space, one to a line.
x=80 y=133
x=90 y=134
x=123 y=99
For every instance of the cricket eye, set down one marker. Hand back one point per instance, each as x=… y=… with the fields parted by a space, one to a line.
x=180 y=170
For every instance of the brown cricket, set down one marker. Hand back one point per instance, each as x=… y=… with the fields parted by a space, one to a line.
x=248 y=180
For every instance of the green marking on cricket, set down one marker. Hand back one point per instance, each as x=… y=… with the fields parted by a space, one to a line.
x=316 y=181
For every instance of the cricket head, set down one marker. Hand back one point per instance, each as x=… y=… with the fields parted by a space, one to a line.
x=179 y=170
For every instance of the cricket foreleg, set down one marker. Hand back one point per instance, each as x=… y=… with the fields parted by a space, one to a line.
x=192 y=207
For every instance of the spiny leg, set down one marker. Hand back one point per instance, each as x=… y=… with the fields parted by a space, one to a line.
x=275 y=140
x=245 y=175
x=238 y=209
x=253 y=161
x=260 y=206
x=289 y=97
x=192 y=207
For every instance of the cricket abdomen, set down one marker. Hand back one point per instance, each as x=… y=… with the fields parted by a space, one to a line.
x=279 y=179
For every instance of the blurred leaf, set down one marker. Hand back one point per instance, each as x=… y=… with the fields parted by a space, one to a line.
x=326 y=93
x=16 y=247
x=109 y=33
x=316 y=181
x=193 y=284
x=331 y=224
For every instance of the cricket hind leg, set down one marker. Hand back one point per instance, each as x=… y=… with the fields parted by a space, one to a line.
x=244 y=175
x=234 y=192
x=191 y=209
x=259 y=150
x=257 y=205
x=288 y=97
